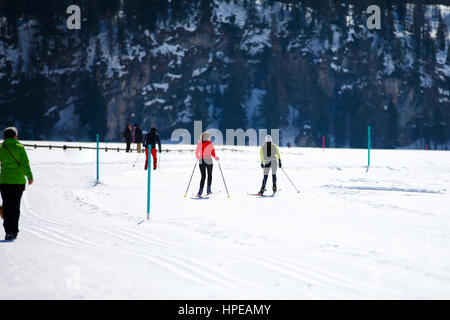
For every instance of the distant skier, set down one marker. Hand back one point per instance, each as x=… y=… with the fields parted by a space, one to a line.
x=14 y=168
x=151 y=139
x=138 y=137
x=128 y=135
x=204 y=153
x=269 y=155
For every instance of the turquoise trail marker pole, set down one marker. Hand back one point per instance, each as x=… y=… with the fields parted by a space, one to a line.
x=98 y=176
x=368 y=148
x=148 y=192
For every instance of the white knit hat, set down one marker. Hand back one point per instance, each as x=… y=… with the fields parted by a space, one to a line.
x=9 y=131
x=268 y=138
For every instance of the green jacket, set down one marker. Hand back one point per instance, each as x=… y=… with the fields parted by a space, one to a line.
x=10 y=172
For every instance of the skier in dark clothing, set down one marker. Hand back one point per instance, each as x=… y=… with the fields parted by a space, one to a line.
x=150 y=140
x=204 y=153
x=269 y=155
x=138 y=137
x=128 y=135
x=14 y=168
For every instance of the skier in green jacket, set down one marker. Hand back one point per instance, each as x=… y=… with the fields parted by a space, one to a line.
x=269 y=155
x=14 y=168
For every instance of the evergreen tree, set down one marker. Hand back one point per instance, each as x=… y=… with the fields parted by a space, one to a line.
x=272 y=112
x=439 y=125
x=7 y=93
x=398 y=54
x=295 y=24
x=392 y=125
x=401 y=13
x=232 y=113
x=389 y=25
x=441 y=33
x=178 y=9
x=141 y=15
x=343 y=112
x=429 y=49
x=340 y=126
x=30 y=95
x=448 y=53
x=206 y=7
x=418 y=33
x=92 y=105
x=199 y=107
x=358 y=130
x=121 y=34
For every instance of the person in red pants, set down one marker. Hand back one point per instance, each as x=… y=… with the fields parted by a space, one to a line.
x=150 y=140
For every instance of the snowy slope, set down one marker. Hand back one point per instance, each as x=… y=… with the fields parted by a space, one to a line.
x=349 y=234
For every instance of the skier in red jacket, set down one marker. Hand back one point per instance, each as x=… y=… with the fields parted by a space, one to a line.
x=204 y=153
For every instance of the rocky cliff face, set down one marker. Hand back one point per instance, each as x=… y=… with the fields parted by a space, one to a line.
x=311 y=69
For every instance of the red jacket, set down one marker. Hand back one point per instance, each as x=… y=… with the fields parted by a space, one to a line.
x=205 y=149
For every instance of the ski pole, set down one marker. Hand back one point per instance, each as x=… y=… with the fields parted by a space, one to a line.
x=159 y=164
x=134 y=165
x=223 y=179
x=191 y=178
x=289 y=180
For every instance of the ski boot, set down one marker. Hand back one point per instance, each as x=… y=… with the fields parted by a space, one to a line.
x=10 y=237
x=199 y=194
x=274 y=183
x=208 y=191
x=261 y=192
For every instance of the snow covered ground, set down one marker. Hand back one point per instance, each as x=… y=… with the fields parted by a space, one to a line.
x=350 y=234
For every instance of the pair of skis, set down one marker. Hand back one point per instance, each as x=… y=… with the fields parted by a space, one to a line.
x=264 y=195
x=206 y=196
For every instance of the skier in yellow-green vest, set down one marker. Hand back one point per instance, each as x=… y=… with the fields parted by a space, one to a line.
x=15 y=171
x=269 y=155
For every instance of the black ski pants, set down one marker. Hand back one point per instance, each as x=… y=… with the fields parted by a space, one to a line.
x=11 y=195
x=205 y=167
x=267 y=166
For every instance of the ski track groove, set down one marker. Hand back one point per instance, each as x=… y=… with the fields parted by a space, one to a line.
x=170 y=266
x=49 y=229
x=141 y=238
x=145 y=236
x=302 y=267
x=50 y=237
x=181 y=266
x=176 y=264
x=214 y=275
x=110 y=230
x=320 y=274
x=298 y=272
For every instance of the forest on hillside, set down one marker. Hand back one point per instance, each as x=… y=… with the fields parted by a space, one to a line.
x=309 y=68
